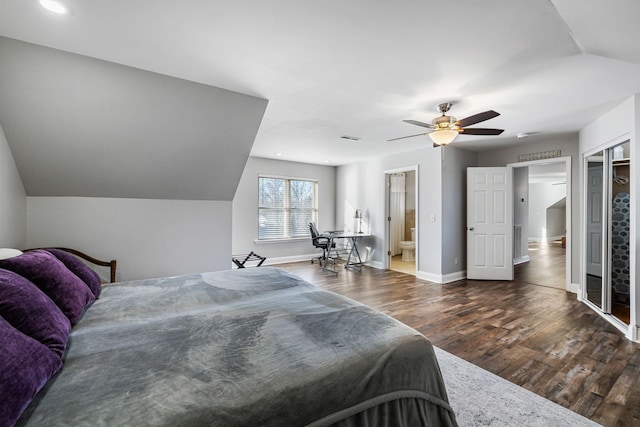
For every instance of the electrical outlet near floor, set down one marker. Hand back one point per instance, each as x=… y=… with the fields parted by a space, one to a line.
x=455 y=260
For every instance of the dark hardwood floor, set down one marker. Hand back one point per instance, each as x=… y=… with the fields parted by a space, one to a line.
x=538 y=337
x=546 y=266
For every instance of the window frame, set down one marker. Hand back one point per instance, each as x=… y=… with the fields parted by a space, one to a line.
x=288 y=209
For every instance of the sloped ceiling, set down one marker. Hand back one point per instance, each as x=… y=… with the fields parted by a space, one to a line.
x=604 y=28
x=79 y=126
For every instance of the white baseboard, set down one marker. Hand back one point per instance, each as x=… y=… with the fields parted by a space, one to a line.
x=521 y=259
x=285 y=259
x=441 y=278
x=308 y=257
x=634 y=333
x=575 y=288
x=294 y=258
x=374 y=264
x=454 y=277
x=436 y=278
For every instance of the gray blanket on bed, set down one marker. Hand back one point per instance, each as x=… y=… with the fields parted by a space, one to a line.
x=251 y=347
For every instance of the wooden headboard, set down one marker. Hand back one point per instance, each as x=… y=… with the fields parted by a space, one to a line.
x=111 y=264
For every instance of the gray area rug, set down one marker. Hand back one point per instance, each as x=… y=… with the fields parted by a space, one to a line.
x=480 y=398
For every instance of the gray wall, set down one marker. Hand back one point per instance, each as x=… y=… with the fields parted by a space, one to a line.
x=454 y=208
x=410 y=190
x=556 y=222
x=245 y=208
x=362 y=186
x=13 y=201
x=148 y=238
x=542 y=223
x=568 y=144
x=119 y=162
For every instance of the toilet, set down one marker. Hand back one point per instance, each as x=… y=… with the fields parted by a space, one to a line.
x=408 y=246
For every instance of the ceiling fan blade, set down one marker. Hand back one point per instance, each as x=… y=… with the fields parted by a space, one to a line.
x=480 y=131
x=477 y=118
x=403 y=137
x=417 y=123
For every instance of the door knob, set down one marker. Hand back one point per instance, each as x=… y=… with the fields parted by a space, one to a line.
x=470 y=228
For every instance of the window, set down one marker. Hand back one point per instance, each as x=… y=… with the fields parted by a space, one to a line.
x=286 y=207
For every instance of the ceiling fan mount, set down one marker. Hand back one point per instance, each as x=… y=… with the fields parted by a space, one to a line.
x=444 y=129
x=444 y=107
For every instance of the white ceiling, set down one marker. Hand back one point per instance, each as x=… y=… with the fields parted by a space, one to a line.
x=359 y=68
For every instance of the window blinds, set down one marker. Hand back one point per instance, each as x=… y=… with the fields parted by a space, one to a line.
x=285 y=207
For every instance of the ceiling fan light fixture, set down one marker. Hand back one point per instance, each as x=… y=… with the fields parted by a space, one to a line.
x=444 y=129
x=443 y=137
x=443 y=122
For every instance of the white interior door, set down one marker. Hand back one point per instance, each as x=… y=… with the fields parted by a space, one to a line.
x=594 y=218
x=489 y=223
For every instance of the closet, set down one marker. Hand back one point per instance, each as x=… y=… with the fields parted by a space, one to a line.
x=607 y=232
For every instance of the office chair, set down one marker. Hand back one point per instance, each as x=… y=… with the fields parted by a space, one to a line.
x=320 y=242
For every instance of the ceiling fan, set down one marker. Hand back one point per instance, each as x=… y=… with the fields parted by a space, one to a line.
x=444 y=129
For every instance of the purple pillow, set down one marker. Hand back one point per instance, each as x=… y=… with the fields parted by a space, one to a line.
x=25 y=367
x=45 y=271
x=33 y=313
x=79 y=268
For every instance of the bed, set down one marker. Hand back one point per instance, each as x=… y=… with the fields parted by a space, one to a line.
x=242 y=347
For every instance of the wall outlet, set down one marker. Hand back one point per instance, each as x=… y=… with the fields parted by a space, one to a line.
x=432 y=218
x=455 y=260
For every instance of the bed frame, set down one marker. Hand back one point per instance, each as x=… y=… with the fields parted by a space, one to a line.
x=111 y=264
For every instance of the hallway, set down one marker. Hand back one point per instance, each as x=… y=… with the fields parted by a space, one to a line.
x=546 y=266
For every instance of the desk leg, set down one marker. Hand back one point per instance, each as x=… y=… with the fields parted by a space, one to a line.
x=354 y=247
x=326 y=261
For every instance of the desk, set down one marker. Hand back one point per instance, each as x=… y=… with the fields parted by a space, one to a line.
x=353 y=250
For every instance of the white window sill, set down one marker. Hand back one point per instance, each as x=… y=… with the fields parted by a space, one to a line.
x=286 y=240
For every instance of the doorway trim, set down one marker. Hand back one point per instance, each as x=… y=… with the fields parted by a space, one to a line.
x=386 y=259
x=569 y=286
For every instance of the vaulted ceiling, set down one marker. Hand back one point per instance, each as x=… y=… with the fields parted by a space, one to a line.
x=327 y=69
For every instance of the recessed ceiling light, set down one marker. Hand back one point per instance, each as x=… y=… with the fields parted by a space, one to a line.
x=326 y=161
x=56 y=6
x=522 y=135
x=278 y=154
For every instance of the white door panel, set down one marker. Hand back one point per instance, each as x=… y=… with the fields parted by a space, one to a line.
x=594 y=220
x=490 y=224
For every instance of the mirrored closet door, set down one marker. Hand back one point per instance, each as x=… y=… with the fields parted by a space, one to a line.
x=619 y=233
x=594 y=228
x=607 y=243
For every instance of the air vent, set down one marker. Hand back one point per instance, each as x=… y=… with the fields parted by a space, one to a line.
x=351 y=138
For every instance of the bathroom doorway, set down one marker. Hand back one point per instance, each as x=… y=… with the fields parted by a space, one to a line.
x=402 y=215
